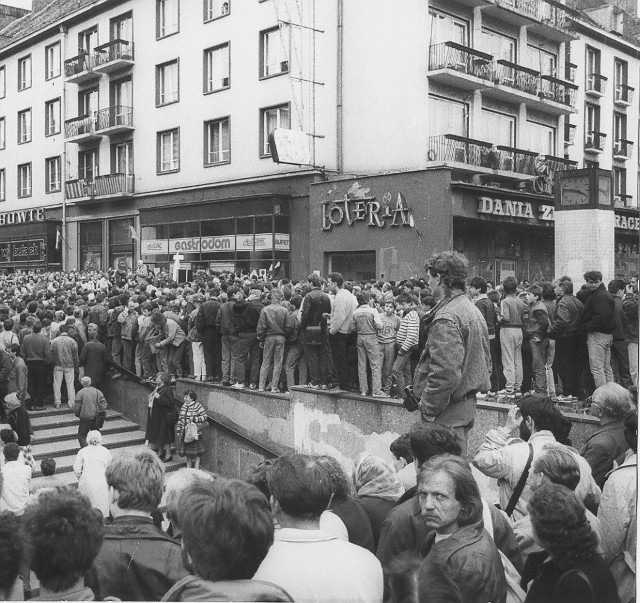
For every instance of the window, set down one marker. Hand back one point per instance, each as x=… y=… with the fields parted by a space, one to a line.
x=167 y=17
x=24 y=126
x=542 y=60
x=3 y=82
x=88 y=165
x=621 y=71
x=24 y=73
x=3 y=133
x=121 y=93
x=24 y=180
x=448 y=116
x=499 y=45
x=217 y=142
x=542 y=138
x=216 y=68
x=619 y=182
x=592 y=119
x=270 y=119
x=52 y=61
x=167 y=87
x=88 y=40
x=619 y=127
x=52 y=174
x=214 y=9
x=168 y=149
x=121 y=28
x=87 y=102
x=500 y=128
x=3 y=185
x=594 y=75
x=122 y=158
x=274 y=51
x=52 y=117
x=447 y=28
x=90 y=245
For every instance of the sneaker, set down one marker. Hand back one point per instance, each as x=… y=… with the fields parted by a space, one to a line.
x=363 y=393
x=323 y=386
x=481 y=396
x=57 y=405
x=313 y=386
x=380 y=395
x=275 y=390
x=253 y=386
x=238 y=386
x=502 y=392
x=261 y=389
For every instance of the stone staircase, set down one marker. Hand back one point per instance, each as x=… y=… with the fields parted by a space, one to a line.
x=56 y=436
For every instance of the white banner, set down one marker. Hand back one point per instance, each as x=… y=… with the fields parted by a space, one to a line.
x=263 y=241
x=282 y=241
x=244 y=242
x=154 y=247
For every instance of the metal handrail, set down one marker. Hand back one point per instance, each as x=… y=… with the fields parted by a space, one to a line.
x=116 y=115
x=112 y=51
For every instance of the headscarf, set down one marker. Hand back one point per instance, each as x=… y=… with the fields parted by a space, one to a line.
x=11 y=401
x=374 y=477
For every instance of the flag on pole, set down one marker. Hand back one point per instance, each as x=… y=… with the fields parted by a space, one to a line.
x=58 y=239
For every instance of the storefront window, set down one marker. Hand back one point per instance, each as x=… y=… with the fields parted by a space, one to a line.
x=91 y=245
x=121 y=243
x=353 y=266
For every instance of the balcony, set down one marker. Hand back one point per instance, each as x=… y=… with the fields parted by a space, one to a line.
x=457 y=65
x=80 y=69
x=101 y=187
x=596 y=85
x=513 y=83
x=81 y=129
x=547 y=18
x=558 y=96
x=113 y=56
x=624 y=95
x=478 y=156
x=569 y=134
x=624 y=202
x=622 y=149
x=594 y=142
x=114 y=120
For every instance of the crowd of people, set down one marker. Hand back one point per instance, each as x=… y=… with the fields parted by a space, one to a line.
x=300 y=527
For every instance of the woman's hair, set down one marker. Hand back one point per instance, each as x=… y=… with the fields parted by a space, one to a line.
x=559 y=520
x=94 y=437
x=165 y=378
x=340 y=485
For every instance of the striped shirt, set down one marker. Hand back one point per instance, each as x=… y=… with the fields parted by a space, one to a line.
x=409 y=331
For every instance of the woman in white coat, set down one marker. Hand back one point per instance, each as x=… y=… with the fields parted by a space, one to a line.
x=89 y=467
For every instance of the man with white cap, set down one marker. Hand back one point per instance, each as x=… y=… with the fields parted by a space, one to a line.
x=89 y=403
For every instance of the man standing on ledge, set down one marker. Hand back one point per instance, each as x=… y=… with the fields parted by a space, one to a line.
x=456 y=362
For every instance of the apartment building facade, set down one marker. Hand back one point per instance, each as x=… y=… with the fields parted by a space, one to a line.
x=455 y=117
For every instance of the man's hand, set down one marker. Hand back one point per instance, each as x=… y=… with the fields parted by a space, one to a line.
x=514 y=418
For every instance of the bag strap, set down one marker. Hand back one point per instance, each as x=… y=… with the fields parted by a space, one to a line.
x=517 y=491
x=580 y=574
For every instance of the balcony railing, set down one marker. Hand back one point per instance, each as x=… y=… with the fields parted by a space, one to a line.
x=516 y=76
x=557 y=90
x=451 y=55
x=459 y=149
x=596 y=84
x=623 y=201
x=551 y=13
x=622 y=148
x=114 y=117
x=624 y=94
x=594 y=141
x=569 y=133
x=101 y=186
x=114 y=51
x=80 y=126
x=76 y=65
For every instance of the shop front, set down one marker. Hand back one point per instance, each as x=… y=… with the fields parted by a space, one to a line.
x=29 y=240
x=380 y=226
x=627 y=258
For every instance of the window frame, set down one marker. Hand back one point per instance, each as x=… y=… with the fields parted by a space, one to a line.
x=619 y=174
x=47 y=75
x=3 y=184
x=95 y=168
x=159 y=69
x=264 y=135
x=262 y=64
x=3 y=81
x=3 y=133
x=29 y=166
x=205 y=67
x=25 y=60
x=206 y=11
x=159 y=34
x=207 y=141
x=47 y=123
x=30 y=126
x=47 y=181
x=159 y=162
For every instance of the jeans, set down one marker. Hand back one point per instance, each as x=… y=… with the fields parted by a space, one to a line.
x=388 y=356
x=539 y=351
x=369 y=349
x=199 y=369
x=148 y=360
x=69 y=376
x=566 y=364
x=633 y=362
x=83 y=429
x=229 y=345
x=338 y=344
x=511 y=346
x=316 y=361
x=497 y=373
x=296 y=359
x=212 y=348
x=174 y=358
x=273 y=353
x=37 y=379
x=128 y=347
x=402 y=371
x=247 y=347
x=599 y=346
x=620 y=362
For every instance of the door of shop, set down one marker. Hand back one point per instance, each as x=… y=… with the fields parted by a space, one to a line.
x=496 y=270
x=352 y=265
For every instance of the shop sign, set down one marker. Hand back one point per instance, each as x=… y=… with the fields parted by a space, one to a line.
x=222 y=266
x=204 y=244
x=27 y=251
x=20 y=217
x=263 y=242
x=4 y=252
x=282 y=241
x=627 y=222
x=513 y=209
x=154 y=247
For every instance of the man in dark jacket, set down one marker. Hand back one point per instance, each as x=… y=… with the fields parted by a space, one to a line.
x=315 y=304
x=226 y=326
x=598 y=323
x=36 y=351
x=247 y=313
x=620 y=344
x=211 y=343
x=137 y=561
x=88 y=404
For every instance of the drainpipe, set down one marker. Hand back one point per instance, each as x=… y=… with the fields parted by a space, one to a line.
x=63 y=167
x=339 y=126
